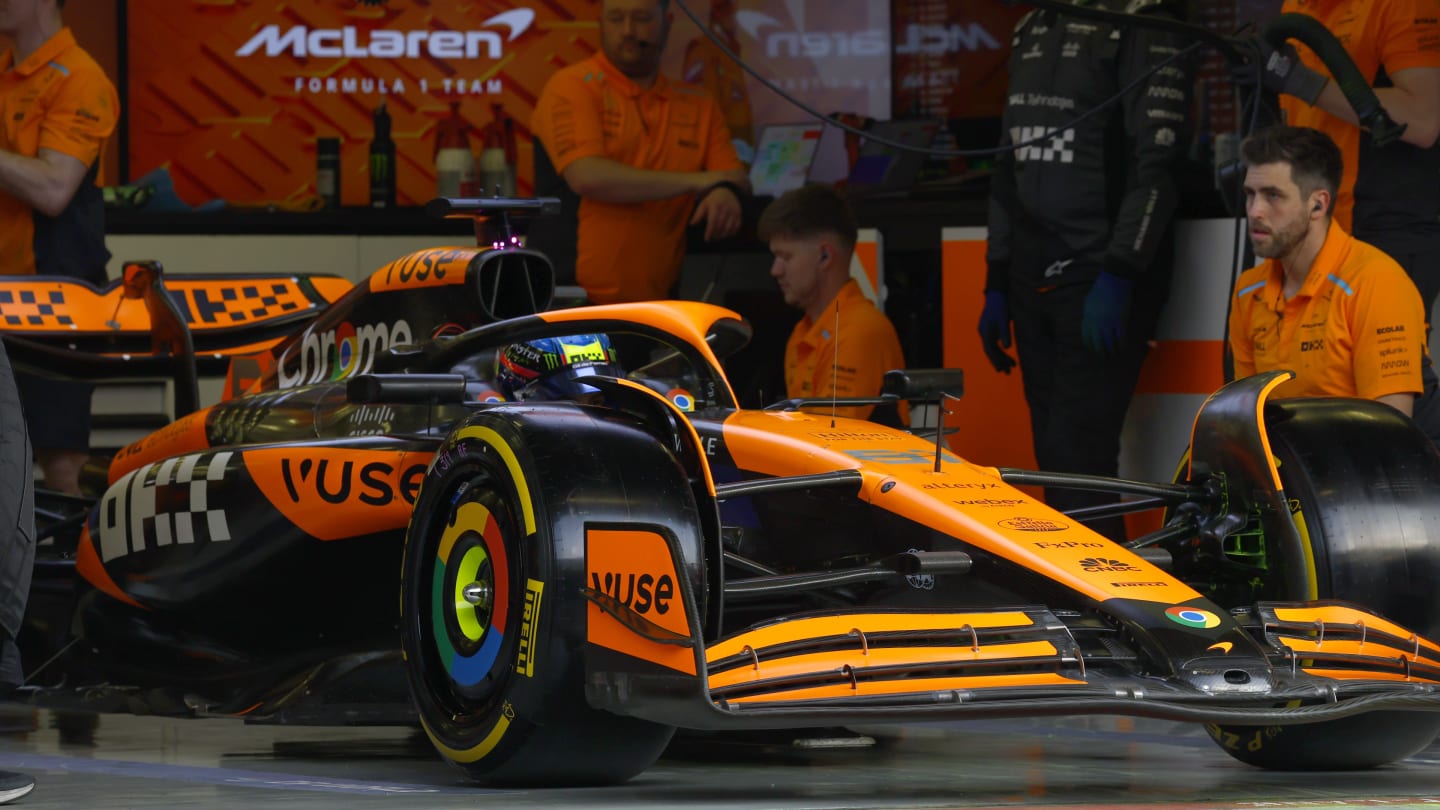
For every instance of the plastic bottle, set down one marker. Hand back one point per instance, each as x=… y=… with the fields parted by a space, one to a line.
x=497 y=172
x=454 y=162
x=327 y=171
x=382 y=162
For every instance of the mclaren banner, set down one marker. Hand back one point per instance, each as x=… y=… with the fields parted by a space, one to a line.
x=232 y=96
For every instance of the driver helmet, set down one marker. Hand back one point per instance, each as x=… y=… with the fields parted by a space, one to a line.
x=554 y=368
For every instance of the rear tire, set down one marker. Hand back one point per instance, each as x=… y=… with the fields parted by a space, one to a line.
x=499 y=682
x=1364 y=488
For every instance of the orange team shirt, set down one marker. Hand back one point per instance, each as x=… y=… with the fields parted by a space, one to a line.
x=1398 y=34
x=630 y=251
x=1355 y=329
x=867 y=348
x=57 y=99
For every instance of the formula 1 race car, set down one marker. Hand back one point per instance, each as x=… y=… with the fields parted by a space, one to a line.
x=577 y=579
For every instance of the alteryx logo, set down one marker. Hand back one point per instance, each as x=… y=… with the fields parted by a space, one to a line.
x=302 y=41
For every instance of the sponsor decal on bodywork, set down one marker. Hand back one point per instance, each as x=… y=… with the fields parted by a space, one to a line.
x=1030 y=524
x=337 y=493
x=901 y=456
x=1192 y=617
x=164 y=503
x=342 y=351
x=1098 y=564
x=635 y=568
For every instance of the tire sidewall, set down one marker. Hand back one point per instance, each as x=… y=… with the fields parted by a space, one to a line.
x=524 y=694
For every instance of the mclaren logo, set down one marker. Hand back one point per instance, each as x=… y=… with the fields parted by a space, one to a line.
x=915 y=39
x=335 y=43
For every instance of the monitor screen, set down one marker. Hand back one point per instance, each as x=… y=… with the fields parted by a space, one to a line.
x=783 y=157
x=881 y=164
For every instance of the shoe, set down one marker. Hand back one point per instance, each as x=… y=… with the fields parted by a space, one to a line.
x=14 y=785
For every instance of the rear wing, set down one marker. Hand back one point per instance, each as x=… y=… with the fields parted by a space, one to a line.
x=227 y=314
x=142 y=325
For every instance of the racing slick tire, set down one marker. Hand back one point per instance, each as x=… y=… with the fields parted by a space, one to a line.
x=494 y=621
x=1363 y=484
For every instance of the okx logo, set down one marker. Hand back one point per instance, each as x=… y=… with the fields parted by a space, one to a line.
x=1049 y=145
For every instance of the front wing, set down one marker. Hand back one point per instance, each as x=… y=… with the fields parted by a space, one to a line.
x=1319 y=661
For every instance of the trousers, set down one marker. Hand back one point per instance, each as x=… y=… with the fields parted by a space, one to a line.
x=1077 y=397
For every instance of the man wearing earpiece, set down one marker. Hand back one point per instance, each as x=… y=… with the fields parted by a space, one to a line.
x=1338 y=312
x=843 y=345
x=1079 y=256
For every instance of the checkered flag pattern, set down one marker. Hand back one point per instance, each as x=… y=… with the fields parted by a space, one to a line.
x=164 y=503
x=1052 y=147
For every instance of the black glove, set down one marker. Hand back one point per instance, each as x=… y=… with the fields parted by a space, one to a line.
x=1281 y=71
x=995 y=330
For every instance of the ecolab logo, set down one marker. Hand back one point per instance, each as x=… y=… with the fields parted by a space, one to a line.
x=300 y=41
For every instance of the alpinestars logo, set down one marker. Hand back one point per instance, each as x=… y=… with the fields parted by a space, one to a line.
x=335 y=43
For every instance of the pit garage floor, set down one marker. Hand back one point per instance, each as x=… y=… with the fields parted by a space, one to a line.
x=1096 y=762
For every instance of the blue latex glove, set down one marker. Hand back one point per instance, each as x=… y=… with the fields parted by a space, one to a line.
x=1107 y=307
x=995 y=330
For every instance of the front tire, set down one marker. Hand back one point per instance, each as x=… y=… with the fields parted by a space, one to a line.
x=493 y=620
x=1364 y=489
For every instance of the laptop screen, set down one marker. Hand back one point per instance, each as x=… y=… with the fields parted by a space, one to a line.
x=883 y=166
x=783 y=157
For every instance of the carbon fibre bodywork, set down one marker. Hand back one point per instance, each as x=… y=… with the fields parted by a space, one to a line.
x=666 y=558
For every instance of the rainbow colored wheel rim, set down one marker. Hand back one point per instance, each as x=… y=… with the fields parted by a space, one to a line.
x=468 y=637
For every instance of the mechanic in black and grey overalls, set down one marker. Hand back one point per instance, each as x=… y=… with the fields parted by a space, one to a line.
x=1079 y=252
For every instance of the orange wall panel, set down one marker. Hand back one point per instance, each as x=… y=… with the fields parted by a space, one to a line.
x=991 y=420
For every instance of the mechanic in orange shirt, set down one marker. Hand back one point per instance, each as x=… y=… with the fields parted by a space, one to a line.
x=1338 y=312
x=1388 y=196
x=57 y=109
x=646 y=157
x=843 y=345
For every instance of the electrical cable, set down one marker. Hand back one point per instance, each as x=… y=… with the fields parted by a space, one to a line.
x=989 y=152
x=1236 y=51
x=1256 y=95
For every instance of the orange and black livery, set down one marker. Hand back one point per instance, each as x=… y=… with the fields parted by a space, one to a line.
x=586 y=576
